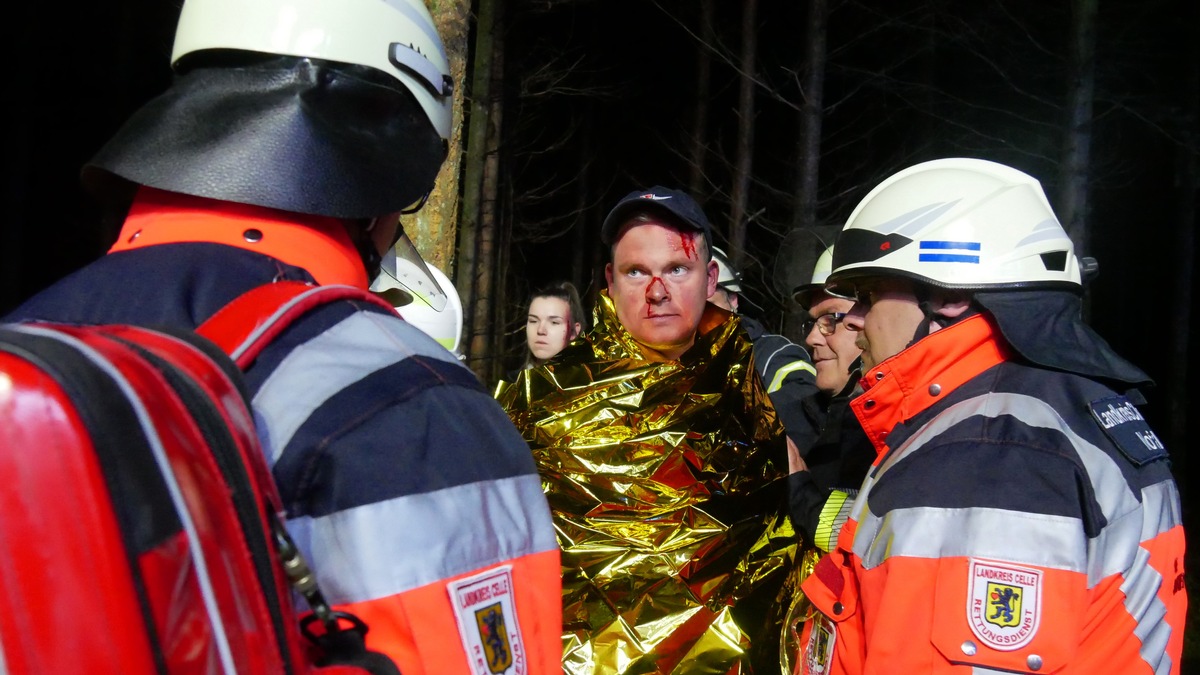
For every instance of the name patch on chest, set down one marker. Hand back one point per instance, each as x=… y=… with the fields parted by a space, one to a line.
x=1127 y=429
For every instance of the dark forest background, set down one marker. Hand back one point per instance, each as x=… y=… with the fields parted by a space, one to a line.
x=777 y=115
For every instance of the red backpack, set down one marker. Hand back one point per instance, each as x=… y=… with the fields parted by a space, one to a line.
x=140 y=529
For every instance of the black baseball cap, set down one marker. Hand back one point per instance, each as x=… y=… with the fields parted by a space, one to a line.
x=679 y=205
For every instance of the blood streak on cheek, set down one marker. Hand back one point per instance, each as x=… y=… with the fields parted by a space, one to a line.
x=688 y=242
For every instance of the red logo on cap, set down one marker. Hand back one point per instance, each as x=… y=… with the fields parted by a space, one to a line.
x=885 y=246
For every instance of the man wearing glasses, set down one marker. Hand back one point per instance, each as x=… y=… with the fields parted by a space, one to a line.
x=1021 y=516
x=820 y=497
x=835 y=354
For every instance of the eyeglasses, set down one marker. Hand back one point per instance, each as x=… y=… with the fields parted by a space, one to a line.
x=864 y=294
x=861 y=294
x=826 y=323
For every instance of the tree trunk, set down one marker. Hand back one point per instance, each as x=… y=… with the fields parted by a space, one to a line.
x=433 y=228
x=1183 y=267
x=486 y=296
x=478 y=126
x=699 y=139
x=1081 y=91
x=810 y=116
x=493 y=367
x=745 y=139
x=808 y=141
x=584 y=210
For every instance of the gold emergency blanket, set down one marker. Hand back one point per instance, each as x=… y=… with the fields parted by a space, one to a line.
x=665 y=482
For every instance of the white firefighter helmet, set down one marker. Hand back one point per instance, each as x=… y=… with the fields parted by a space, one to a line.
x=957 y=223
x=726 y=277
x=396 y=37
x=803 y=294
x=338 y=109
x=437 y=312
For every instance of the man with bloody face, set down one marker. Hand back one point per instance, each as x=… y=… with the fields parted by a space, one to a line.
x=659 y=281
x=663 y=461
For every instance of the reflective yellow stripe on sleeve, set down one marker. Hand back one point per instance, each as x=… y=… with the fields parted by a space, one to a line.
x=833 y=517
x=782 y=373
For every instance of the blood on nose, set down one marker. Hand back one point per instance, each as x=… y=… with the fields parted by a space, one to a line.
x=656 y=288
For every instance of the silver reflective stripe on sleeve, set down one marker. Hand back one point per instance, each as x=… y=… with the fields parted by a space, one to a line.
x=929 y=532
x=1162 y=499
x=355 y=347
x=1141 y=585
x=1034 y=538
x=1142 y=603
x=435 y=535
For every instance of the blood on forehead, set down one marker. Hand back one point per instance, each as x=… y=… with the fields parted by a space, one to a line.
x=675 y=239
x=684 y=241
x=688 y=241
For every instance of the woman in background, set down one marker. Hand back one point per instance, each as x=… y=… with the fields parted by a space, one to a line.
x=555 y=318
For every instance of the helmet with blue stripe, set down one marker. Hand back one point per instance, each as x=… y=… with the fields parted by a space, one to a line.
x=957 y=223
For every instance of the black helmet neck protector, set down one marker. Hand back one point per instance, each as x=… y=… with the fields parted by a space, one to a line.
x=286 y=133
x=1046 y=328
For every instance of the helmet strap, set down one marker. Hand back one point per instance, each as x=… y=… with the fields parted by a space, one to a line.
x=931 y=316
x=360 y=234
x=922 y=330
x=924 y=301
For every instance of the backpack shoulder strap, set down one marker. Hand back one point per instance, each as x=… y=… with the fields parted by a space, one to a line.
x=242 y=329
x=245 y=327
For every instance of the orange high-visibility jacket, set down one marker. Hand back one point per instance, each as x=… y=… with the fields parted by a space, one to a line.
x=412 y=496
x=1017 y=520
